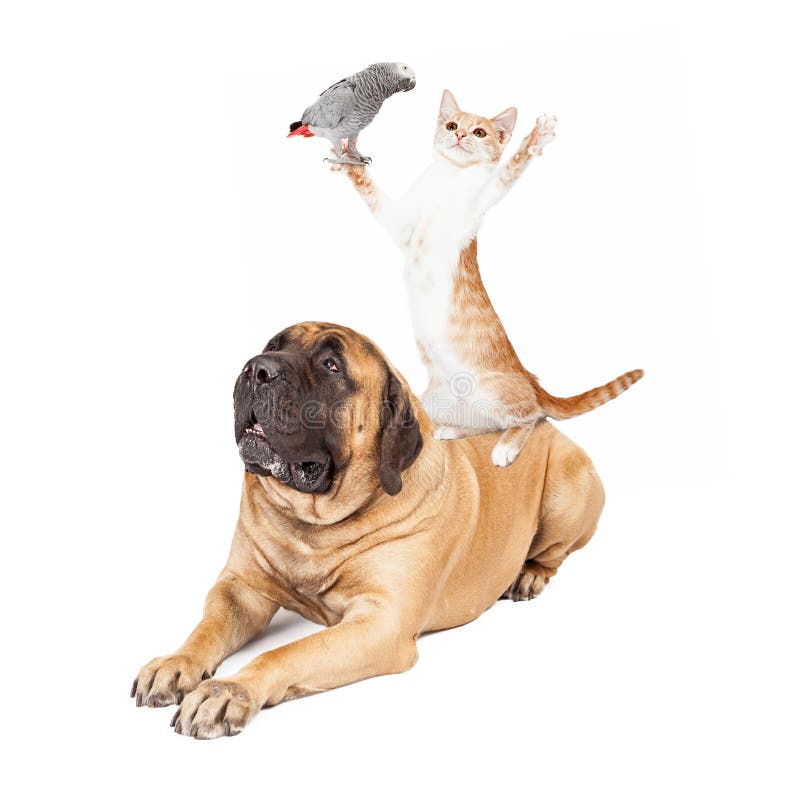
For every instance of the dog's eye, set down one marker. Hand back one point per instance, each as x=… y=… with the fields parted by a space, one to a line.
x=451 y=126
x=479 y=132
x=330 y=365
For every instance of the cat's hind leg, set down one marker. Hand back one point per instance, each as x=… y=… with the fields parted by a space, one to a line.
x=572 y=500
x=447 y=432
x=509 y=445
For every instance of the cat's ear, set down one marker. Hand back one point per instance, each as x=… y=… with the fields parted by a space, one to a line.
x=504 y=123
x=448 y=107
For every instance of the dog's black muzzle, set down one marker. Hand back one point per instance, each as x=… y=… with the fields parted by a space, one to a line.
x=279 y=427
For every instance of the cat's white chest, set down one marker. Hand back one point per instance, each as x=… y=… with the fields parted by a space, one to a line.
x=443 y=209
x=442 y=213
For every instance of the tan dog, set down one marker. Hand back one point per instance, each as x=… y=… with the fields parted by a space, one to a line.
x=328 y=528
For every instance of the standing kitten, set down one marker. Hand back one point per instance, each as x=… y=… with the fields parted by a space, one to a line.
x=477 y=382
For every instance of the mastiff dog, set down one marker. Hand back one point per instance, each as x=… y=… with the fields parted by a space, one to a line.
x=355 y=517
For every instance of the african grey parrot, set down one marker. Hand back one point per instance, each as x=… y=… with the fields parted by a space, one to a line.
x=346 y=108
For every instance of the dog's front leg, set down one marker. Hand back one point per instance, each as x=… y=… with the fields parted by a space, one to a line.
x=372 y=639
x=234 y=613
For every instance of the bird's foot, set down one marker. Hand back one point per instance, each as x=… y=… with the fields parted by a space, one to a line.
x=352 y=151
x=345 y=158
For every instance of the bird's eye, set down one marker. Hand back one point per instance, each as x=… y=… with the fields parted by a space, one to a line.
x=451 y=126
x=330 y=365
x=479 y=132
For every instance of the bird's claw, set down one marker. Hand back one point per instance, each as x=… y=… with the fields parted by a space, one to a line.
x=345 y=159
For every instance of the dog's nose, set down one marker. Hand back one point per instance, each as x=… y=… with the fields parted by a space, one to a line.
x=263 y=369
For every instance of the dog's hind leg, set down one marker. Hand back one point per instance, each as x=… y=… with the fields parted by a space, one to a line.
x=572 y=500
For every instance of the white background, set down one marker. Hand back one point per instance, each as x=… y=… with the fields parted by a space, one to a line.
x=157 y=228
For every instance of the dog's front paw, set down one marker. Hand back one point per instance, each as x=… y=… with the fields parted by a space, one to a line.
x=541 y=135
x=215 y=708
x=164 y=681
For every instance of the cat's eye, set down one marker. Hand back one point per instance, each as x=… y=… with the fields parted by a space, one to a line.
x=451 y=126
x=330 y=365
x=479 y=132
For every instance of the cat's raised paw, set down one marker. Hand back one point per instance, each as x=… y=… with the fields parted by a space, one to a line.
x=542 y=134
x=356 y=172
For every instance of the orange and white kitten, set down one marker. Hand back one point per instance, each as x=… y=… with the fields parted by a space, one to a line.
x=477 y=382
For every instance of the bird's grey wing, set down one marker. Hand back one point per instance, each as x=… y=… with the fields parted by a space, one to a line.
x=333 y=106
x=343 y=80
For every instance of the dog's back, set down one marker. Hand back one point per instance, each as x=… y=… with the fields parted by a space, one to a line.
x=531 y=515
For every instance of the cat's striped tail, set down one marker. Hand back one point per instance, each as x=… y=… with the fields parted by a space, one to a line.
x=566 y=407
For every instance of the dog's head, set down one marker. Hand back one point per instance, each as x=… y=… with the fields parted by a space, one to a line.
x=321 y=412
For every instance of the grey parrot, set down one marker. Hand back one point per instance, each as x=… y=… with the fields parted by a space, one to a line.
x=346 y=108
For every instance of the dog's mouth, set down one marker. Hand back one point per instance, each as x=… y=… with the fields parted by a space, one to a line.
x=261 y=458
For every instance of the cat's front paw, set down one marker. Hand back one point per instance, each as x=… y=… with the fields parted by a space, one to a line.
x=445 y=433
x=357 y=172
x=541 y=135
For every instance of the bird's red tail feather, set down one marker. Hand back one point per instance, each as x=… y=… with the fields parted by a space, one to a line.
x=302 y=130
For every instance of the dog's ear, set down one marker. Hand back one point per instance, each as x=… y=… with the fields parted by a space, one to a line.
x=401 y=440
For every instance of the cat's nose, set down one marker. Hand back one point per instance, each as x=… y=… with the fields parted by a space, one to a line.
x=460 y=135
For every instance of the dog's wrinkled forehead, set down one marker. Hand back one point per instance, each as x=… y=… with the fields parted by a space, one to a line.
x=304 y=336
x=310 y=338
